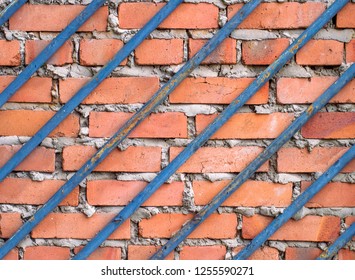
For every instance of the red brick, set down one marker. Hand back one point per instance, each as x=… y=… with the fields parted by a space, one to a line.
x=332 y=125
x=46 y=253
x=103 y=253
x=90 y=56
x=159 y=125
x=123 y=90
x=306 y=90
x=263 y=52
x=295 y=160
x=133 y=159
x=321 y=52
x=203 y=252
x=137 y=252
x=63 y=56
x=350 y=51
x=10 y=53
x=119 y=193
x=9 y=224
x=77 y=225
x=218 y=159
x=55 y=18
x=165 y=225
x=345 y=18
x=310 y=228
x=280 y=15
x=349 y=221
x=40 y=159
x=269 y=194
x=36 y=90
x=160 y=52
x=186 y=16
x=27 y=123
x=302 y=253
x=216 y=90
x=263 y=253
x=346 y=255
x=247 y=125
x=12 y=256
x=26 y=191
x=225 y=53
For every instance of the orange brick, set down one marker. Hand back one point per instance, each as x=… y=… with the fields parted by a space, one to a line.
x=280 y=15
x=28 y=122
x=263 y=52
x=63 y=56
x=103 y=253
x=9 y=224
x=12 y=256
x=55 y=18
x=269 y=194
x=310 y=228
x=306 y=90
x=90 y=56
x=77 y=225
x=263 y=253
x=160 y=52
x=159 y=125
x=37 y=90
x=295 y=160
x=346 y=255
x=350 y=51
x=46 y=253
x=10 y=53
x=123 y=90
x=225 y=53
x=345 y=18
x=217 y=90
x=138 y=252
x=321 y=52
x=216 y=226
x=119 y=193
x=247 y=125
x=203 y=253
x=332 y=125
x=133 y=159
x=218 y=159
x=302 y=253
x=40 y=159
x=186 y=16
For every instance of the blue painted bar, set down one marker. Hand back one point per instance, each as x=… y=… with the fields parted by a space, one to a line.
x=297 y=205
x=210 y=130
x=338 y=244
x=10 y=10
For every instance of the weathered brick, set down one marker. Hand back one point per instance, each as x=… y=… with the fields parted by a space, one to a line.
x=263 y=253
x=46 y=253
x=9 y=224
x=11 y=256
x=295 y=160
x=350 y=51
x=321 y=52
x=216 y=90
x=133 y=159
x=138 y=252
x=103 y=253
x=55 y=18
x=310 y=228
x=346 y=255
x=345 y=17
x=159 y=125
x=10 y=53
x=40 y=159
x=269 y=194
x=219 y=159
x=119 y=193
x=28 y=122
x=263 y=52
x=160 y=52
x=186 y=16
x=77 y=225
x=247 y=125
x=225 y=53
x=165 y=225
x=292 y=253
x=216 y=252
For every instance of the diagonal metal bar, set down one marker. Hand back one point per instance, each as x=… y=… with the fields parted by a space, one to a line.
x=296 y=205
x=338 y=244
x=210 y=130
x=10 y=10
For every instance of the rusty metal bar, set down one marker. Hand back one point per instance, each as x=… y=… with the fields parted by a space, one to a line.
x=10 y=10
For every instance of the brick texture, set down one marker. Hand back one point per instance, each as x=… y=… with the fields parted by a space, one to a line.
x=46 y=253
x=263 y=253
x=137 y=252
x=292 y=253
x=10 y=53
x=350 y=51
x=9 y=224
x=103 y=253
x=345 y=18
x=203 y=253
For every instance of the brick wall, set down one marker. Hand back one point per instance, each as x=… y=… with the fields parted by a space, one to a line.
x=189 y=109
